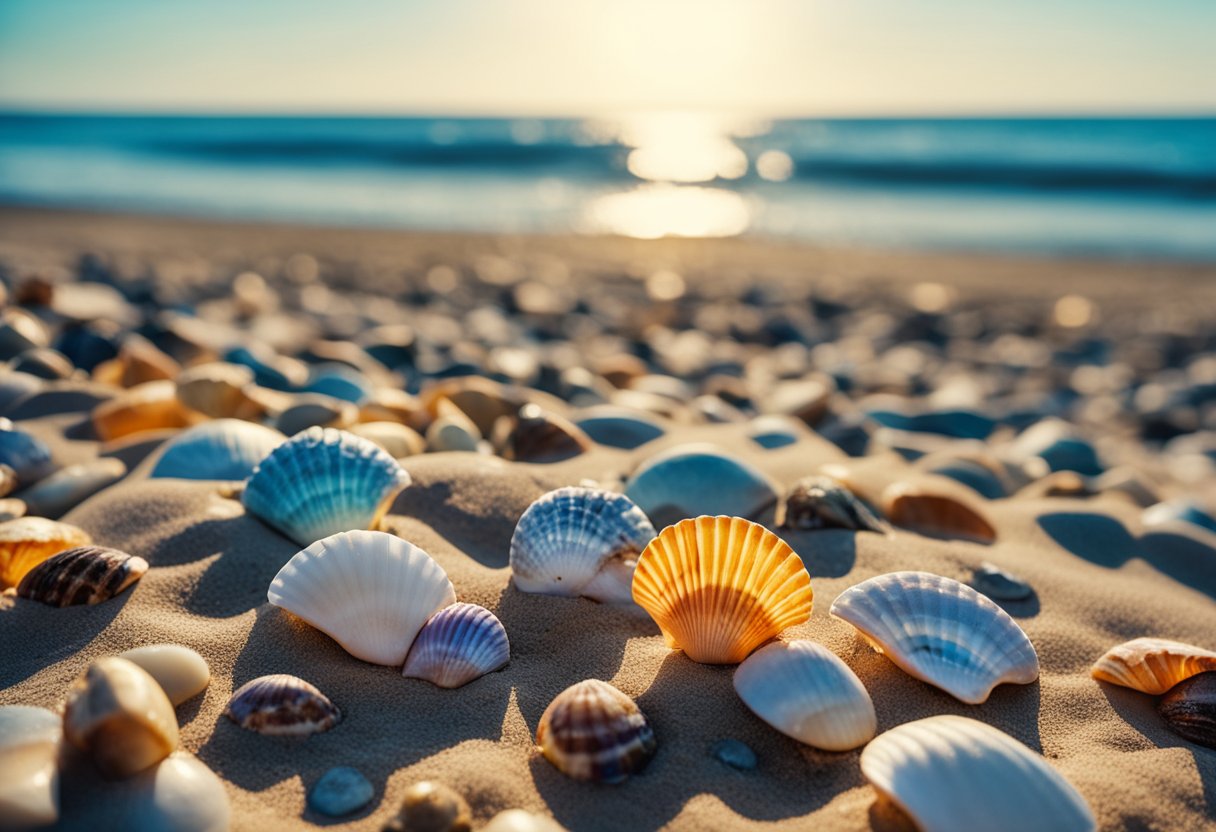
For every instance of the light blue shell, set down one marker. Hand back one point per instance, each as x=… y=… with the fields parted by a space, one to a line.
x=224 y=449
x=321 y=482
x=458 y=644
x=27 y=455
x=696 y=479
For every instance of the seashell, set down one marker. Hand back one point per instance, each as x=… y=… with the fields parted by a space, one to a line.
x=85 y=575
x=619 y=428
x=719 y=587
x=282 y=705
x=149 y=406
x=388 y=404
x=431 y=807
x=579 y=541
x=458 y=644
x=518 y=820
x=482 y=400
x=339 y=381
x=16 y=386
x=772 y=432
x=1189 y=709
x=806 y=692
x=535 y=435
x=27 y=456
x=592 y=731
x=975 y=475
x=69 y=487
x=941 y=632
x=806 y=399
x=397 y=585
x=397 y=439
x=29 y=766
x=28 y=541
x=451 y=430
x=1183 y=510
x=218 y=391
x=8 y=480
x=321 y=482
x=270 y=370
x=11 y=509
x=180 y=671
x=1152 y=665
x=950 y=772
x=693 y=480
x=908 y=505
x=223 y=449
x=340 y=791
x=179 y=795
x=313 y=410
x=996 y=583
x=1053 y=445
x=20 y=331
x=138 y=361
x=43 y=363
x=118 y=714
x=822 y=503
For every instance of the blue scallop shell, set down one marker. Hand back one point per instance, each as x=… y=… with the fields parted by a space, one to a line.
x=224 y=449
x=27 y=455
x=458 y=644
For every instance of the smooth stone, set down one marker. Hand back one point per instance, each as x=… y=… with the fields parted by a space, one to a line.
x=735 y=754
x=517 y=820
x=695 y=479
x=619 y=427
x=340 y=791
x=775 y=431
x=1000 y=585
x=181 y=672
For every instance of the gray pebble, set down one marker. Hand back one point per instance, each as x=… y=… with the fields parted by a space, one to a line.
x=339 y=792
x=735 y=754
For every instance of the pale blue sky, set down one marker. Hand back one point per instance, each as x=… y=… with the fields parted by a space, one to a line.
x=771 y=57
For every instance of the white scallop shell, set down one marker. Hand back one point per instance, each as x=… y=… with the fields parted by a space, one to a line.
x=699 y=479
x=579 y=541
x=224 y=449
x=940 y=631
x=324 y=481
x=369 y=591
x=950 y=773
x=29 y=766
x=806 y=692
x=460 y=643
x=180 y=671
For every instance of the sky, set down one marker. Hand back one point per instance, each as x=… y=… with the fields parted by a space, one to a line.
x=576 y=57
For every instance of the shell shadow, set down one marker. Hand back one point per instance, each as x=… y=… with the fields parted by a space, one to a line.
x=1185 y=559
x=75 y=628
x=826 y=553
x=1098 y=538
x=1026 y=608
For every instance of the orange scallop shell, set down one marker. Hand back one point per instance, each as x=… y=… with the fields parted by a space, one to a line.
x=1152 y=665
x=28 y=541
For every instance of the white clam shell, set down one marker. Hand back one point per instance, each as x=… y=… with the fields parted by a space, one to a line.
x=940 y=631
x=180 y=671
x=458 y=644
x=697 y=479
x=223 y=449
x=29 y=766
x=369 y=591
x=179 y=795
x=950 y=773
x=806 y=692
x=579 y=541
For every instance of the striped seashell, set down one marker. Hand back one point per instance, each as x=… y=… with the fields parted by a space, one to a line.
x=282 y=705
x=458 y=644
x=223 y=449
x=30 y=739
x=1152 y=665
x=28 y=541
x=592 y=731
x=719 y=587
x=80 y=576
x=1189 y=709
x=823 y=503
x=910 y=506
x=27 y=456
x=180 y=671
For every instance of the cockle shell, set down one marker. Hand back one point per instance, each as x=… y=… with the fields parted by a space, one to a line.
x=951 y=773
x=179 y=795
x=909 y=505
x=369 y=591
x=692 y=480
x=149 y=406
x=27 y=455
x=535 y=435
x=592 y=731
x=71 y=486
x=84 y=575
x=29 y=766
x=223 y=449
x=806 y=692
x=180 y=671
x=940 y=631
x=1189 y=709
x=579 y=541
x=121 y=716
x=822 y=503
x=1152 y=665
x=282 y=705
x=458 y=644
x=719 y=587
x=28 y=541
x=321 y=482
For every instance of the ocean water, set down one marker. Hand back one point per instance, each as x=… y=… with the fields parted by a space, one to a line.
x=1108 y=187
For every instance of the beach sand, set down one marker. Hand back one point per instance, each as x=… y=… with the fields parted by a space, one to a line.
x=1099 y=576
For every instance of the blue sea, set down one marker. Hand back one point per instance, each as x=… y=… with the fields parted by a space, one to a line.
x=1133 y=188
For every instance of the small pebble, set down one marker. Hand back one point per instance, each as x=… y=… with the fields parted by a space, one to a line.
x=999 y=584
x=431 y=807
x=340 y=791
x=735 y=754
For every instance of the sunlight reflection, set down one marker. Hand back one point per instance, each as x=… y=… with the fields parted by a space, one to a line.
x=653 y=211
x=682 y=147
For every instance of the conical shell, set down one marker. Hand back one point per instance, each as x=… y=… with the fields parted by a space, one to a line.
x=85 y=575
x=458 y=644
x=951 y=773
x=823 y=503
x=28 y=541
x=592 y=731
x=282 y=705
x=1189 y=709
x=181 y=672
x=29 y=766
x=692 y=480
x=806 y=692
x=27 y=455
x=941 y=632
x=935 y=514
x=226 y=449
x=179 y=795
x=369 y=591
x=1152 y=665
x=579 y=542
x=121 y=716
x=321 y=482
x=65 y=489
x=719 y=587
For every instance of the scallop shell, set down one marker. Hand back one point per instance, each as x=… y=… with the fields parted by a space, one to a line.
x=282 y=705
x=535 y=435
x=806 y=692
x=29 y=766
x=180 y=671
x=371 y=592
x=321 y=482
x=1152 y=665
x=579 y=542
x=149 y=406
x=719 y=587
x=592 y=731
x=950 y=773
x=179 y=795
x=458 y=644
x=692 y=480
x=28 y=541
x=69 y=487
x=85 y=575
x=224 y=449
x=941 y=632
x=27 y=455
x=1189 y=709
x=121 y=716
x=935 y=514
x=823 y=503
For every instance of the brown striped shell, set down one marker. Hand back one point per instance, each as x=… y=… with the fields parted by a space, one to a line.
x=536 y=435
x=823 y=503
x=84 y=575
x=1152 y=665
x=282 y=705
x=935 y=514
x=28 y=541
x=592 y=731
x=1189 y=709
